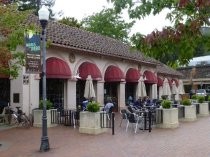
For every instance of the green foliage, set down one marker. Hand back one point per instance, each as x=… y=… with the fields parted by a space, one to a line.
x=174 y=45
x=48 y=104
x=186 y=102
x=194 y=97
x=12 y=35
x=166 y=104
x=201 y=99
x=93 y=106
x=164 y=97
x=71 y=21
x=108 y=23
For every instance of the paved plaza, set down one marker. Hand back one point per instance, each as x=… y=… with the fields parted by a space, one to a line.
x=191 y=139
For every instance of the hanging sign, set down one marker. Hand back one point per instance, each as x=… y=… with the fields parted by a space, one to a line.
x=32 y=50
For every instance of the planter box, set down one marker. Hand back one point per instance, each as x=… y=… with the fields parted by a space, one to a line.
x=190 y=113
x=204 y=109
x=38 y=118
x=90 y=123
x=170 y=118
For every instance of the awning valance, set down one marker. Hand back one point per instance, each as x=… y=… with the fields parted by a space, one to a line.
x=114 y=74
x=150 y=77
x=132 y=75
x=57 y=68
x=88 y=68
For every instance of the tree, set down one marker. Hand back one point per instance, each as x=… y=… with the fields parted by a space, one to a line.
x=24 y=5
x=108 y=23
x=10 y=37
x=174 y=45
x=71 y=21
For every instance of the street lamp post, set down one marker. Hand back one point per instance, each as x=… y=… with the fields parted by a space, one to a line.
x=43 y=18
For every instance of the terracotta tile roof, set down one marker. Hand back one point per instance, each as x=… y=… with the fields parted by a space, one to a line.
x=73 y=38
x=163 y=69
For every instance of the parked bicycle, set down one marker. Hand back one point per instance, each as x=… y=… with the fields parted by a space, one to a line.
x=19 y=118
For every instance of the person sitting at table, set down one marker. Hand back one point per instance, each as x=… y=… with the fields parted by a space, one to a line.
x=84 y=104
x=108 y=106
x=138 y=103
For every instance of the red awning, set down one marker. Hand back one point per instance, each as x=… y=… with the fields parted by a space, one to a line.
x=150 y=77
x=114 y=74
x=132 y=75
x=176 y=81
x=57 y=68
x=160 y=81
x=88 y=68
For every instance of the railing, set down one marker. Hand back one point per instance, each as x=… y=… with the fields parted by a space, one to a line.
x=66 y=117
x=107 y=120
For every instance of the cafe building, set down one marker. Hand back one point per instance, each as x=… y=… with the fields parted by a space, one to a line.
x=74 y=54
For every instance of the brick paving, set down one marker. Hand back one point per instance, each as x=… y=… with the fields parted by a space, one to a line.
x=191 y=139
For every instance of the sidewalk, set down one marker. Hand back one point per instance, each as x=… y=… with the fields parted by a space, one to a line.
x=189 y=140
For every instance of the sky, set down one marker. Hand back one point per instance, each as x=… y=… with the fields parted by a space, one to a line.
x=83 y=8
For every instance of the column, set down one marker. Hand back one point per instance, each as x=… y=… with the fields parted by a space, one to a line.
x=100 y=92
x=71 y=94
x=154 y=91
x=121 y=95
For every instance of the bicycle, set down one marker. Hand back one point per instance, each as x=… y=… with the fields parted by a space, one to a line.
x=19 y=118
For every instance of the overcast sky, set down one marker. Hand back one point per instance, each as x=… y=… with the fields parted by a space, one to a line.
x=83 y=8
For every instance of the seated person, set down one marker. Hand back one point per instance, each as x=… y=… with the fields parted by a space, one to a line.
x=84 y=104
x=108 y=105
x=138 y=103
x=130 y=100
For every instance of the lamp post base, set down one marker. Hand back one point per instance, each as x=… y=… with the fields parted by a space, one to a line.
x=44 y=144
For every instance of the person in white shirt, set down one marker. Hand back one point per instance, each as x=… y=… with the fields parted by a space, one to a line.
x=108 y=105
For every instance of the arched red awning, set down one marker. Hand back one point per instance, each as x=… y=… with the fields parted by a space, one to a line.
x=132 y=75
x=160 y=81
x=114 y=74
x=57 y=68
x=150 y=77
x=88 y=68
x=176 y=81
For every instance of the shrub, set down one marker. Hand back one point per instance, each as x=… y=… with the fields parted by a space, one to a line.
x=48 y=104
x=93 y=106
x=166 y=104
x=208 y=98
x=186 y=102
x=201 y=99
x=164 y=97
x=194 y=97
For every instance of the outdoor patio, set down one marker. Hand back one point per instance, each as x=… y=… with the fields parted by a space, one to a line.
x=191 y=139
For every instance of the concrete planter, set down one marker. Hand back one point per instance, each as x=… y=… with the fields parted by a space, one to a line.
x=190 y=113
x=204 y=109
x=90 y=123
x=170 y=118
x=38 y=118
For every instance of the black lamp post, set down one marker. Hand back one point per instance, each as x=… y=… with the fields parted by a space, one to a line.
x=43 y=18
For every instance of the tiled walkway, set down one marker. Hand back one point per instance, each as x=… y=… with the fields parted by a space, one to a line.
x=191 y=139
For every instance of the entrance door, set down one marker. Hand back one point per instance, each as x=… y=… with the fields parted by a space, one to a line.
x=55 y=92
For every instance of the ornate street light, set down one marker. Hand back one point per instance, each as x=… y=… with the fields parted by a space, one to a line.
x=43 y=18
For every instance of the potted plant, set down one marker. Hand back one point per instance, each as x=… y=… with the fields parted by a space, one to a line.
x=194 y=99
x=170 y=115
x=39 y=112
x=189 y=110
x=203 y=106
x=90 y=119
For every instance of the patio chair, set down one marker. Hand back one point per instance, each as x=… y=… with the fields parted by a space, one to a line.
x=124 y=114
x=134 y=119
x=2 y=115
